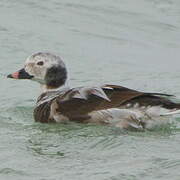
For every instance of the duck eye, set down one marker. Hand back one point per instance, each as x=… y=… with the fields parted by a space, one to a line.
x=40 y=63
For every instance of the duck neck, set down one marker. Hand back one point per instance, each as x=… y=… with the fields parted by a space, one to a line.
x=46 y=88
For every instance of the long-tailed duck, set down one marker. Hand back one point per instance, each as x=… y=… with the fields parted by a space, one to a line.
x=107 y=104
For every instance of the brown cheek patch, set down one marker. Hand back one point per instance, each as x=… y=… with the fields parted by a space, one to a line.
x=30 y=67
x=38 y=71
x=31 y=64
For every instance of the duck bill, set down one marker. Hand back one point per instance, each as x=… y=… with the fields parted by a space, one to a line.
x=21 y=74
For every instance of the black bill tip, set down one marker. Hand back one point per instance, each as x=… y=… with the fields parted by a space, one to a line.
x=21 y=74
x=9 y=76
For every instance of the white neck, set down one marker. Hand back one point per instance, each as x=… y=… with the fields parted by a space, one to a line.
x=44 y=88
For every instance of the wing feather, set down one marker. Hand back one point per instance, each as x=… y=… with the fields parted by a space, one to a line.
x=81 y=101
x=85 y=100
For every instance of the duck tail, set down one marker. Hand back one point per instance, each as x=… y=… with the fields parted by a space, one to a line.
x=175 y=110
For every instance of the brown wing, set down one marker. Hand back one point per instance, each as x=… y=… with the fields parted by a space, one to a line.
x=81 y=101
x=42 y=113
x=76 y=103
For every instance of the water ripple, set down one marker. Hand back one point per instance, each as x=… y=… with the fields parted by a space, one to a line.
x=11 y=171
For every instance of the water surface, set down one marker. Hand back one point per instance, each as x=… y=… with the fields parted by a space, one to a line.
x=131 y=43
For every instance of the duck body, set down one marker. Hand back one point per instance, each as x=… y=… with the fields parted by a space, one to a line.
x=107 y=104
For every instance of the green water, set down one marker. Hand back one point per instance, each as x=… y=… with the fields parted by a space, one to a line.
x=131 y=43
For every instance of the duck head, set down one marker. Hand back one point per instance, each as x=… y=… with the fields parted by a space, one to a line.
x=46 y=68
